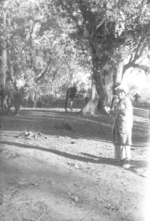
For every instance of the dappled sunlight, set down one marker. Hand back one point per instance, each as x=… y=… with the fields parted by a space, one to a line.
x=63 y=114
x=50 y=123
x=89 y=127
x=59 y=61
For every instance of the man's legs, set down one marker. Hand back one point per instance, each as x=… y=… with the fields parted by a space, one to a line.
x=126 y=156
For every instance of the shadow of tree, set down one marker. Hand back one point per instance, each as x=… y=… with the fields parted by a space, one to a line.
x=88 y=127
x=87 y=159
x=63 y=154
x=83 y=127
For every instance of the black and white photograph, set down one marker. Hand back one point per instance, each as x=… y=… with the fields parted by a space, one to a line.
x=74 y=110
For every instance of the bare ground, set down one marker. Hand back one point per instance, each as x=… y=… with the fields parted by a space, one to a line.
x=57 y=166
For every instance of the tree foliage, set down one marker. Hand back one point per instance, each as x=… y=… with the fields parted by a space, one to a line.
x=115 y=33
x=40 y=49
x=49 y=42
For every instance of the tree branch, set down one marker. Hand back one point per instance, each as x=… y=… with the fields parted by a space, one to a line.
x=74 y=18
x=134 y=65
x=138 y=51
x=135 y=56
x=44 y=72
x=142 y=67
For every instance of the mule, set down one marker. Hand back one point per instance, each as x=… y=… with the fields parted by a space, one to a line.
x=12 y=98
x=71 y=93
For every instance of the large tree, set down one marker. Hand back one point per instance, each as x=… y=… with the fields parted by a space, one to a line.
x=109 y=32
x=47 y=42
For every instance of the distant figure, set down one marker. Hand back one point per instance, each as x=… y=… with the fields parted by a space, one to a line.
x=136 y=96
x=70 y=95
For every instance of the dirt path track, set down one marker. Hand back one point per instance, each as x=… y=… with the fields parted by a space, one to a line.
x=59 y=166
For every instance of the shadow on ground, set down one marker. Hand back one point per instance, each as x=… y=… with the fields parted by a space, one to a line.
x=50 y=122
x=87 y=158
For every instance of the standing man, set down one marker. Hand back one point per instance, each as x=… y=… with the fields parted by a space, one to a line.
x=136 y=96
x=122 y=127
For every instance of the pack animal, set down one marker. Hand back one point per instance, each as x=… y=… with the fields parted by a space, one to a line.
x=71 y=93
x=12 y=98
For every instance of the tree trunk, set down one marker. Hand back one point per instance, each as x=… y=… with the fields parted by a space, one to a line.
x=91 y=106
x=101 y=86
x=105 y=94
x=3 y=65
x=10 y=68
x=117 y=78
x=4 y=54
x=115 y=84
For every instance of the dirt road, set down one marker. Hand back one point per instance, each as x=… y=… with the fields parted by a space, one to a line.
x=59 y=166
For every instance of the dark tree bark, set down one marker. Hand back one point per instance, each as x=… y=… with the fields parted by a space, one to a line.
x=91 y=106
x=101 y=92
